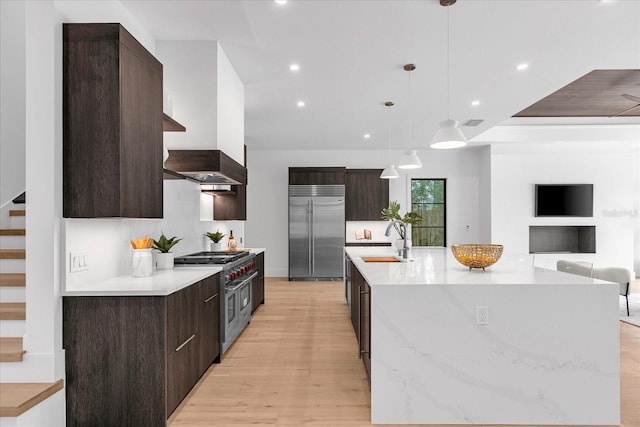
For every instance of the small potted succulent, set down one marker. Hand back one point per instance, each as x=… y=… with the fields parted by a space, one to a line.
x=164 y=259
x=215 y=240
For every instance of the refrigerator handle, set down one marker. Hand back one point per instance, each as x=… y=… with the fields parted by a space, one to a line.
x=310 y=228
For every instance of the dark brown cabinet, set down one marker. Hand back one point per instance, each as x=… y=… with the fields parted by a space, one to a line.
x=356 y=281
x=360 y=306
x=209 y=327
x=231 y=206
x=115 y=353
x=365 y=327
x=182 y=344
x=257 y=288
x=130 y=360
x=317 y=175
x=366 y=194
x=112 y=124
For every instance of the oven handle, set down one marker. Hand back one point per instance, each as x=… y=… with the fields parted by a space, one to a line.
x=248 y=279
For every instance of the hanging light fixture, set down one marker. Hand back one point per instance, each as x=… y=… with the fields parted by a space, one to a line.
x=449 y=134
x=390 y=172
x=410 y=159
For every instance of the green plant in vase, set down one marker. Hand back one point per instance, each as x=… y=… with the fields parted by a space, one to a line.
x=164 y=245
x=393 y=213
x=215 y=239
x=164 y=259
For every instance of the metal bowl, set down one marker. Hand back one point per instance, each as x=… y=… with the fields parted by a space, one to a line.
x=477 y=255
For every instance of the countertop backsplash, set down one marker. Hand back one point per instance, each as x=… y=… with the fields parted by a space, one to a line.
x=105 y=242
x=375 y=229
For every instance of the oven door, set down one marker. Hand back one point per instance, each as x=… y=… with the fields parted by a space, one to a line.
x=238 y=309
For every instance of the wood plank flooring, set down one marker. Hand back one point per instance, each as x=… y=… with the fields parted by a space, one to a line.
x=296 y=365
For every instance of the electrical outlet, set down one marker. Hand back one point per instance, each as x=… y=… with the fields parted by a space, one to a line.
x=482 y=315
x=78 y=262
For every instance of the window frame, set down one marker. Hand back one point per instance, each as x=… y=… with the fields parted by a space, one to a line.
x=444 y=205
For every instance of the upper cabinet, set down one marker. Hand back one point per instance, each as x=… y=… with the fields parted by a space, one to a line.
x=112 y=124
x=366 y=194
x=317 y=176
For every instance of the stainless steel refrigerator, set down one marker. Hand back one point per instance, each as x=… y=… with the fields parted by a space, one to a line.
x=316 y=231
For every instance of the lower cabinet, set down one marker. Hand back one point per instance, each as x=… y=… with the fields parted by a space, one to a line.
x=365 y=328
x=130 y=360
x=209 y=322
x=182 y=372
x=356 y=280
x=257 y=288
x=361 y=317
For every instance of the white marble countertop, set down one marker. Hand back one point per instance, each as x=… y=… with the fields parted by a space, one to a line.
x=161 y=282
x=437 y=266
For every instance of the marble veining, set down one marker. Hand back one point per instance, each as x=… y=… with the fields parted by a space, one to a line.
x=549 y=355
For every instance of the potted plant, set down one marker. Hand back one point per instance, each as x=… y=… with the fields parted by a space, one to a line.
x=409 y=218
x=215 y=240
x=164 y=259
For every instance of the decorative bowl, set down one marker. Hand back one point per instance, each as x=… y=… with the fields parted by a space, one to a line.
x=477 y=255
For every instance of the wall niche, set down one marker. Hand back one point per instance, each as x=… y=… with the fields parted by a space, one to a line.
x=562 y=239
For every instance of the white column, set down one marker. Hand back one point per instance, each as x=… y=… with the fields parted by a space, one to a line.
x=43 y=339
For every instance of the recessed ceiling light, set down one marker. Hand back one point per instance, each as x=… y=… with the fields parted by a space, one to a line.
x=522 y=67
x=294 y=67
x=475 y=103
x=280 y=1
x=367 y=135
x=300 y=104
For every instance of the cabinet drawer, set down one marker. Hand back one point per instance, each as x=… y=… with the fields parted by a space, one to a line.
x=209 y=287
x=182 y=372
x=182 y=316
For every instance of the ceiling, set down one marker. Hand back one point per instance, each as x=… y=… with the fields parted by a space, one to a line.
x=597 y=94
x=351 y=56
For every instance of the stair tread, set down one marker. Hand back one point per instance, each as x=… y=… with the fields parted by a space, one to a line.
x=12 y=311
x=17 y=398
x=11 y=349
x=17 y=212
x=13 y=279
x=13 y=232
x=12 y=254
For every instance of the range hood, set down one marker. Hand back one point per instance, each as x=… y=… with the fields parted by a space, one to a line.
x=206 y=167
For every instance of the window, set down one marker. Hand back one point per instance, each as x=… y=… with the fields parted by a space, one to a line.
x=428 y=198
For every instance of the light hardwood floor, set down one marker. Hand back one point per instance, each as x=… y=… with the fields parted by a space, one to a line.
x=296 y=365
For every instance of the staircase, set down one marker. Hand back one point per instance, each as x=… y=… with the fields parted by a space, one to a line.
x=16 y=398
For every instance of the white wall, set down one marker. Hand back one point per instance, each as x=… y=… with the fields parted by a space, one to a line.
x=613 y=170
x=190 y=77
x=267 y=200
x=106 y=241
x=12 y=101
x=207 y=94
x=230 y=98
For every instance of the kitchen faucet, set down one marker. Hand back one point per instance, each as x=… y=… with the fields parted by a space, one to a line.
x=404 y=252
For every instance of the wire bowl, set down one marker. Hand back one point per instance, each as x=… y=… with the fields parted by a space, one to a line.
x=477 y=255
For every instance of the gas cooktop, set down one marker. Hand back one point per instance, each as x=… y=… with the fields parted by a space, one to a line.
x=211 y=257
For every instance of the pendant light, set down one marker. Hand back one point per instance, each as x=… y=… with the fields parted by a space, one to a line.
x=449 y=134
x=410 y=159
x=390 y=172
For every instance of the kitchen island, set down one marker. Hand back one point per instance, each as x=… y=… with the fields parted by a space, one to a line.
x=548 y=353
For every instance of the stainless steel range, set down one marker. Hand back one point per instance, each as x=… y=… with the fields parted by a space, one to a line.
x=239 y=271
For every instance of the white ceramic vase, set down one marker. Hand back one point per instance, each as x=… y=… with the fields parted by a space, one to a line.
x=164 y=261
x=142 y=263
x=216 y=246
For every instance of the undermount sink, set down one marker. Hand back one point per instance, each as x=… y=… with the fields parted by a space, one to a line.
x=380 y=259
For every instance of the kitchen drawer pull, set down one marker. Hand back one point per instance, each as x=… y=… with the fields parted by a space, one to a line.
x=210 y=298
x=364 y=292
x=185 y=343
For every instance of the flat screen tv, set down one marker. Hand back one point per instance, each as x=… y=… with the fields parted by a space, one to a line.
x=564 y=200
